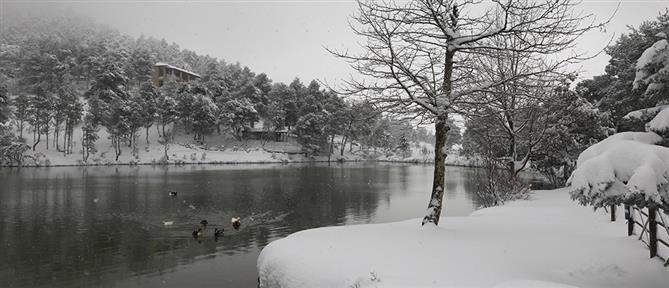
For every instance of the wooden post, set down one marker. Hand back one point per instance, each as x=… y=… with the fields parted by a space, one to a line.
x=613 y=213
x=652 y=231
x=630 y=220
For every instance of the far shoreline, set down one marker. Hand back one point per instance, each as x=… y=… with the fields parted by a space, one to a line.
x=214 y=163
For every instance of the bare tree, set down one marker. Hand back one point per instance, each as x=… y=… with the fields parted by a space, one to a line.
x=418 y=57
x=516 y=107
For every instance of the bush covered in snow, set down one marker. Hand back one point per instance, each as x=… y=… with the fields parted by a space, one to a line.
x=632 y=167
x=624 y=168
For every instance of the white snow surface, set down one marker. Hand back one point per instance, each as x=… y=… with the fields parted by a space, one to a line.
x=547 y=241
x=603 y=146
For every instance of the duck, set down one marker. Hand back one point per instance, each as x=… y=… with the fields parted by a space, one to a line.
x=172 y=193
x=204 y=223
x=197 y=233
x=168 y=223
x=236 y=223
x=218 y=233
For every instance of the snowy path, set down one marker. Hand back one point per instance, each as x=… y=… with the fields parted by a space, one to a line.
x=548 y=241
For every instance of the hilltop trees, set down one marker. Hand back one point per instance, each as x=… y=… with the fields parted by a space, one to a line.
x=204 y=116
x=109 y=103
x=148 y=101
x=63 y=68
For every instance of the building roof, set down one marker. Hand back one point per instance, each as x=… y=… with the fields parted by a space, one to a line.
x=177 y=68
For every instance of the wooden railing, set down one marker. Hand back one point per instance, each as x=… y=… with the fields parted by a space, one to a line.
x=648 y=222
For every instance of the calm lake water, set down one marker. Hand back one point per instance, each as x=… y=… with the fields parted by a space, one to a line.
x=103 y=226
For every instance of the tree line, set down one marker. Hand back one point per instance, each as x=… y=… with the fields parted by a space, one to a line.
x=552 y=128
x=67 y=72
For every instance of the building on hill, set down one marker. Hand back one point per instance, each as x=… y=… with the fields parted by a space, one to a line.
x=162 y=70
x=261 y=131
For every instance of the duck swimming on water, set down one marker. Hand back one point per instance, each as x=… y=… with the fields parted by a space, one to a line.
x=172 y=193
x=236 y=223
x=204 y=223
x=197 y=233
x=218 y=233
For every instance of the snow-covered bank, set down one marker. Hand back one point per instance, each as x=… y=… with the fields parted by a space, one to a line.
x=451 y=160
x=548 y=241
x=219 y=149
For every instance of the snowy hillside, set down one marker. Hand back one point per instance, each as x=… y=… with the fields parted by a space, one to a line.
x=218 y=149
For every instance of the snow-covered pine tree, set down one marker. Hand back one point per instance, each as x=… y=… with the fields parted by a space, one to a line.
x=632 y=167
x=108 y=102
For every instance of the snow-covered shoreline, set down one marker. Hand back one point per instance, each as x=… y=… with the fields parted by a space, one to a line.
x=547 y=241
x=219 y=150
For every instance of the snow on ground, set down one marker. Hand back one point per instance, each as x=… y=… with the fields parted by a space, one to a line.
x=547 y=241
x=422 y=152
x=218 y=149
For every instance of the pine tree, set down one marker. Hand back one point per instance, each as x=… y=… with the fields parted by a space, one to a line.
x=89 y=136
x=108 y=102
x=204 y=116
x=148 y=97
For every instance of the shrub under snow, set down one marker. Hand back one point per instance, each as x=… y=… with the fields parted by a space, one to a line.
x=624 y=168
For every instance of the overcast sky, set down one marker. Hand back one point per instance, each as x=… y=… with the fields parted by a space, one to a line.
x=286 y=38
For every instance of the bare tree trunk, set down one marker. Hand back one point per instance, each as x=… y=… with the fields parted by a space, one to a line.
x=47 y=136
x=344 y=139
x=68 y=141
x=331 y=144
x=67 y=137
x=39 y=135
x=441 y=130
x=56 y=135
x=84 y=151
x=118 y=147
x=147 y=135
x=436 y=199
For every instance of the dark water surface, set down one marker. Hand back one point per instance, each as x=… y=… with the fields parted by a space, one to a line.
x=103 y=226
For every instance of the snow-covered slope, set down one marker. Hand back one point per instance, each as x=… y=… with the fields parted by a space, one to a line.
x=218 y=149
x=547 y=241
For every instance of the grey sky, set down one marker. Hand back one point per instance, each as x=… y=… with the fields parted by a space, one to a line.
x=285 y=38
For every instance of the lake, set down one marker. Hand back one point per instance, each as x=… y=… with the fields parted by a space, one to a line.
x=105 y=226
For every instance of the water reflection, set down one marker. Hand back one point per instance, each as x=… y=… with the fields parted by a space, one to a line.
x=103 y=226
